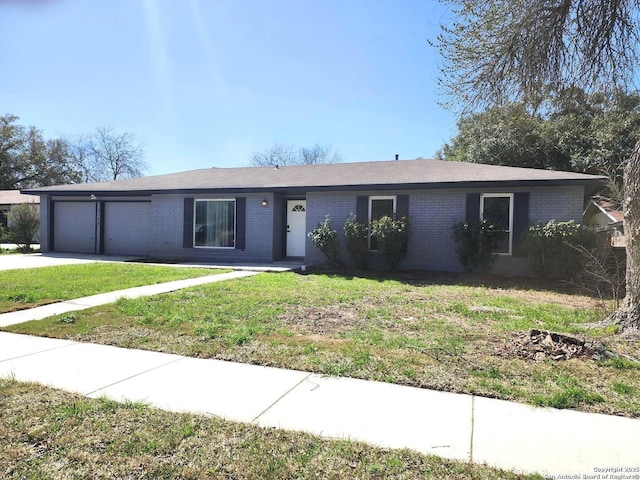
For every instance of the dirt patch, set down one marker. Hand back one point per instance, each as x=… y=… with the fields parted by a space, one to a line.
x=327 y=320
x=539 y=345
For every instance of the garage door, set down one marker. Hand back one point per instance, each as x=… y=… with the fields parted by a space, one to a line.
x=127 y=228
x=74 y=227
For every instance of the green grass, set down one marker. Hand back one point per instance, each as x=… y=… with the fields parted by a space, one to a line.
x=428 y=334
x=50 y=434
x=26 y=288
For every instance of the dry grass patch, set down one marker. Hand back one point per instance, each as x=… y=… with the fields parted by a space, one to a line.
x=441 y=333
x=46 y=433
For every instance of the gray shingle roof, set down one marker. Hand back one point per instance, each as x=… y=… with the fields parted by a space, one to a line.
x=403 y=174
x=14 y=197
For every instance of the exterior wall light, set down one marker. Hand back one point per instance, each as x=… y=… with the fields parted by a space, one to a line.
x=264 y=203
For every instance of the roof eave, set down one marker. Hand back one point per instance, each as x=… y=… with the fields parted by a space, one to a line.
x=591 y=185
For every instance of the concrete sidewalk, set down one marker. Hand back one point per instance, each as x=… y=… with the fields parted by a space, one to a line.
x=463 y=427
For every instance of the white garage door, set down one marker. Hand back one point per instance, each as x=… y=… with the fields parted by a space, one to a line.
x=74 y=227
x=127 y=228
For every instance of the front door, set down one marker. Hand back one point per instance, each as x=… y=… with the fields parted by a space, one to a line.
x=296 y=227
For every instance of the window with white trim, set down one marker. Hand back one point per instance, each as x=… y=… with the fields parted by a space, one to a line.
x=214 y=223
x=380 y=207
x=497 y=209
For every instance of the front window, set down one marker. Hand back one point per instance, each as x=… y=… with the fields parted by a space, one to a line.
x=497 y=209
x=215 y=223
x=380 y=207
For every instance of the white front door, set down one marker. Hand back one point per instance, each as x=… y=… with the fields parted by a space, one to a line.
x=296 y=227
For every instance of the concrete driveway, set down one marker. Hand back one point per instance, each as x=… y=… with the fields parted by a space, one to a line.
x=36 y=260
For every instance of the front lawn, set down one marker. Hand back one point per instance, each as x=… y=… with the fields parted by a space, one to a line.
x=27 y=288
x=442 y=333
x=47 y=433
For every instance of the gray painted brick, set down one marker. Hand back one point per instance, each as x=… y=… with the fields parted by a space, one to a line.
x=433 y=213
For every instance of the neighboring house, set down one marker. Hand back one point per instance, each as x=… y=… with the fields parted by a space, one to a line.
x=9 y=198
x=607 y=217
x=263 y=214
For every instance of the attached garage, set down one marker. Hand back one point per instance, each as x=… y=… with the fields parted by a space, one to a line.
x=74 y=227
x=127 y=228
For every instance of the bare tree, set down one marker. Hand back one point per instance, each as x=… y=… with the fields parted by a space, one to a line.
x=106 y=155
x=497 y=51
x=278 y=155
x=283 y=155
x=318 y=154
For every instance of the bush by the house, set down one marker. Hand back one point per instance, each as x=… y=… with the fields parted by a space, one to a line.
x=476 y=245
x=552 y=248
x=391 y=236
x=356 y=238
x=326 y=240
x=25 y=225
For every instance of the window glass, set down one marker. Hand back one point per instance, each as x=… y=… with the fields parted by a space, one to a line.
x=497 y=211
x=215 y=223
x=380 y=207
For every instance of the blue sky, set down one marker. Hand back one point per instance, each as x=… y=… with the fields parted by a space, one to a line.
x=206 y=83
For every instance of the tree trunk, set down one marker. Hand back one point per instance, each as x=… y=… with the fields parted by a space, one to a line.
x=627 y=317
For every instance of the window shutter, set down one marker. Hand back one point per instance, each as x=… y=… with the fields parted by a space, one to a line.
x=402 y=206
x=473 y=208
x=402 y=210
x=520 y=222
x=362 y=209
x=241 y=209
x=187 y=229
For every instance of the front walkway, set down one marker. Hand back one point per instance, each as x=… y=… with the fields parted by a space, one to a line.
x=83 y=303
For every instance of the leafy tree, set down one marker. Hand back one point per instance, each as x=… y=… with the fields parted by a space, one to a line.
x=505 y=135
x=28 y=160
x=24 y=221
x=575 y=131
x=515 y=50
x=282 y=155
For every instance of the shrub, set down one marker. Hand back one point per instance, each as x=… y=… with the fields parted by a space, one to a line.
x=25 y=225
x=356 y=235
x=391 y=235
x=476 y=245
x=552 y=248
x=326 y=240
